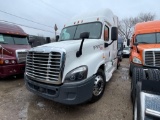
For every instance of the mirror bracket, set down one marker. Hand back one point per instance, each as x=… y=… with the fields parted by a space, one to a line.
x=84 y=36
x=136 y=44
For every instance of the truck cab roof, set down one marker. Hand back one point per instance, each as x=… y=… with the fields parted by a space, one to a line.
x=6 y=28
x=104 y=15
x=147 y=27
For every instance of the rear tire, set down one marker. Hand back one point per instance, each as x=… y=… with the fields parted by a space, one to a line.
x=118 y=65
x=121 y=58
x=99 y=86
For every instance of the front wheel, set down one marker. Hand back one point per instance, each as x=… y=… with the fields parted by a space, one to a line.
x=99 y=86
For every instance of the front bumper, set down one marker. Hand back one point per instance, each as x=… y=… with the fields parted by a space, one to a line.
x=9 y=70
x=69 y=93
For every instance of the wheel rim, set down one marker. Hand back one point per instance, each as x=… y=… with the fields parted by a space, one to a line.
x=135 y=110
x=98 y=85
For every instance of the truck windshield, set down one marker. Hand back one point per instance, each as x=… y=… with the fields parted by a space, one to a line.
x=13 y=40
x=73 y=32
x=148 y=38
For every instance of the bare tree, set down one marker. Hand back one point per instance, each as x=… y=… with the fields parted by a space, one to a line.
x=144 y=17
x=126 y=26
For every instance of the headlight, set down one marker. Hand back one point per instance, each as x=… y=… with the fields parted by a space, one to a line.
x=77 y=74
x=136 y=60
x=6 y=61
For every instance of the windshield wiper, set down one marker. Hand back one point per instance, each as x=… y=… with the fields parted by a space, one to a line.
x=3 y=42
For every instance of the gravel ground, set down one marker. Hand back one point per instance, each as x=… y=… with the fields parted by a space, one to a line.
x=17 y=103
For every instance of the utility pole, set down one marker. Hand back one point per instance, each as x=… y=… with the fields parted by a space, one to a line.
x=55 y=29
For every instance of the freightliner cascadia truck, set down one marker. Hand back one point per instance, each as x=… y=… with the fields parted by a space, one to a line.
x=76 y=68
x=13 y=50
x=144 y=68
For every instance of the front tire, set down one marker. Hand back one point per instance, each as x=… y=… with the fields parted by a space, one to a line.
x=130 y=73
x=153 y=74
x=99 y=86
x=137 y=103
x=138 y=75
x=135 y=110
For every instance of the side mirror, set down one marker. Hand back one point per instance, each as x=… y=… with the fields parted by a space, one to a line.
x=48 y=40
x=57 y=38
x=105 y=34
x=136 y=44
x=114 y=33
x=128 y=42
x=84 y=35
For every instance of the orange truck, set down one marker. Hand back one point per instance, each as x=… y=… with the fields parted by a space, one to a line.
x=145 y=46
x=145 y=70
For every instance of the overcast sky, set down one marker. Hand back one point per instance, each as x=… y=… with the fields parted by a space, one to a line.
x=51 y=12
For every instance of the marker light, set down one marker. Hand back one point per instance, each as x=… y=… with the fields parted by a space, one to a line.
x=1 y=61
x=13 y=61
x=6 y=61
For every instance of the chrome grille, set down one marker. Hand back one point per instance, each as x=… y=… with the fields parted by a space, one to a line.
x=21 y=56
x=44 y=67
x=152 y=58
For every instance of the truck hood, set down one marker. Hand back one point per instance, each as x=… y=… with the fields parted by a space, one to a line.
x=13 y=48
x=70 y=45
x=142 y=47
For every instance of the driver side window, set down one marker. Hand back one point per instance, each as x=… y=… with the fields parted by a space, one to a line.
x=106 y=33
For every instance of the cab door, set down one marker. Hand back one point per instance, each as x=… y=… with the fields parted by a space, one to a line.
x=108 y=53
x=106 y=40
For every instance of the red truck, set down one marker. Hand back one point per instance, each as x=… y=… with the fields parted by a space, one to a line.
x=13 y=49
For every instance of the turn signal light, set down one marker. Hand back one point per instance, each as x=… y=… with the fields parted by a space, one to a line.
x=1 y=62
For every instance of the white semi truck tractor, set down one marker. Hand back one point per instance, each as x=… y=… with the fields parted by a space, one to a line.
x=75 y=69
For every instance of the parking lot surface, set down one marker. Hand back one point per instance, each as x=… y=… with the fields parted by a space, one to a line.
x=17 y=103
